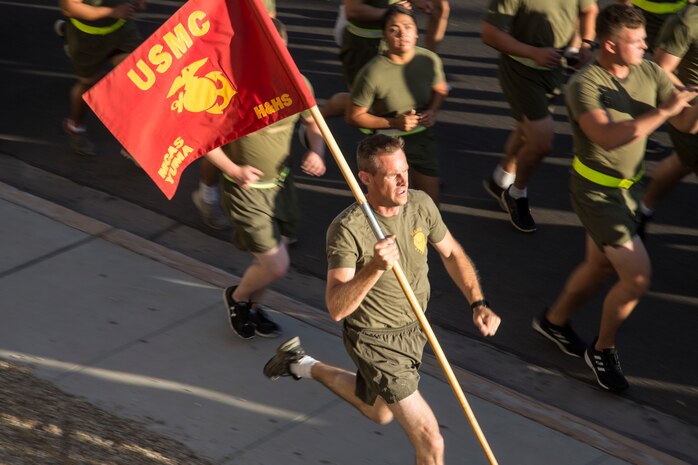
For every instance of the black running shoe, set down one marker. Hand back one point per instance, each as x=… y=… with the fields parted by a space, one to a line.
x=239 y=314
x=519 y=213
x=494 y=190
x=287 y=353
x=563 y=336
x=263 y=325
x=606 y=367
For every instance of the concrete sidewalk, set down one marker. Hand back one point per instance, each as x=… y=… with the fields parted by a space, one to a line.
x=140 y=331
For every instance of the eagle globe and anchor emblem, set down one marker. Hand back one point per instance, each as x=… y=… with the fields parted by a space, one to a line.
x=210 y=93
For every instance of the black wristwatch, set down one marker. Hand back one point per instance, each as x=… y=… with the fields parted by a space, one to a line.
x=593 y=45
x=479 y=303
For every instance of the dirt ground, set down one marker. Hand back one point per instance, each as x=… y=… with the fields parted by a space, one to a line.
x=41 y=425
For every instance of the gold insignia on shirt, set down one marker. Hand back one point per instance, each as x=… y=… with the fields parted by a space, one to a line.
x=419 y=240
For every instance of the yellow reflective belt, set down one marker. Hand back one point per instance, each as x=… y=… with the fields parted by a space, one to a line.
x=528 y=62
x=605 y=180
x=267 y=184
x=365 y=33
x=393 y=132
x=97 y=31
x=659 y=8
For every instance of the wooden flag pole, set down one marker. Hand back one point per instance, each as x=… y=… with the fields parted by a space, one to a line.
x=431 y=337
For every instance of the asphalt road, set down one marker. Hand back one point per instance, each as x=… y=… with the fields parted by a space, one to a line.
x=521 y=274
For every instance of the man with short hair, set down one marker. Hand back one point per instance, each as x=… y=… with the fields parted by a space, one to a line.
x=531 y=36
x=259 y=198
x=381 y=331
x=362 y=35
x=614 y=104
x=655 y=13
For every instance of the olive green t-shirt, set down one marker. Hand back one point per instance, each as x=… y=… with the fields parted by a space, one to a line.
x=679 y=37
x=389 y=89
x=269 y=148
x=594 y=88
x=376 y=4
x=541 y=23
x=350 y=242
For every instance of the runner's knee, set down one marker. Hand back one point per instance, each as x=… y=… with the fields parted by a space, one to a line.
x=278 y=268
x=639 y=283
x=431 y=440
x=379 y=415
x=542 y=144
x=276 y=263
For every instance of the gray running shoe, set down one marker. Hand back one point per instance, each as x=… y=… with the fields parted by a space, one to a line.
x=287 y=353
x=79 y=141
x=211 y=215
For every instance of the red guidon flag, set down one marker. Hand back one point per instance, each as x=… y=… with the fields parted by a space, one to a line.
x=215 y=71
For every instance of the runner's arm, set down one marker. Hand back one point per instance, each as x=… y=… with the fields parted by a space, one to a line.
x=506 y=43
x=346 y=288
x=610 y=135
x=361 y=118
x=436 y=24
x=314 y=159
x=78 y=10
x=587 y=32
x=439 y=93
x=463 y=273
x=668 y=63
x=687 y=120
x=244 y=175
x=587 y=22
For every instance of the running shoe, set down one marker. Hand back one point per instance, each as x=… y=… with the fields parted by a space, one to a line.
x=263 y=325
x=492 y=188
x=519 y=212
x=606 y=367
x=79 y=141
x=210 y=214
x=564 y=337
x=238 y=314
x=287 y=353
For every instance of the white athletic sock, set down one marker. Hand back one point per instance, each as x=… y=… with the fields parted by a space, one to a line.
x=303 y=366
x=209 y=193
x=72 y=127
x=503 y=178
x=517 y=193
x=647 y=211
